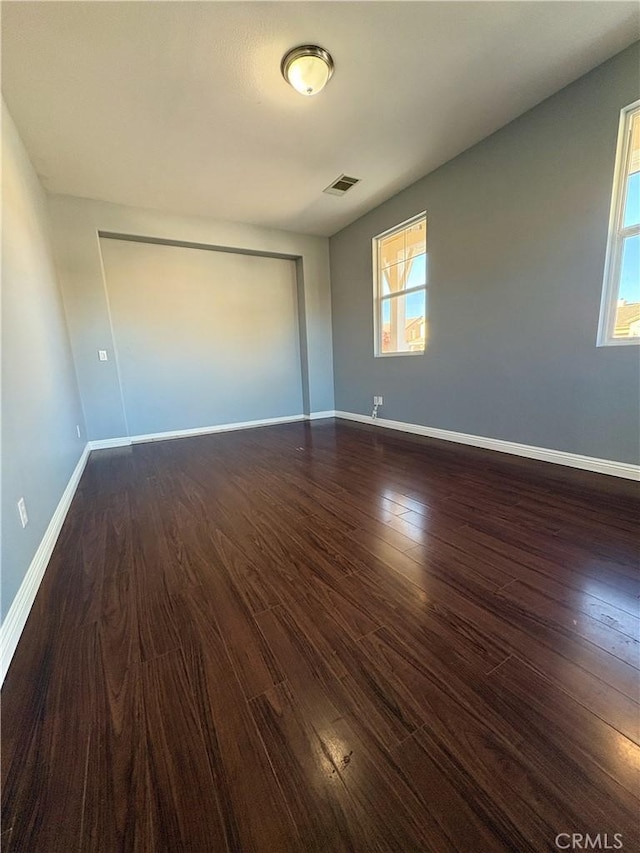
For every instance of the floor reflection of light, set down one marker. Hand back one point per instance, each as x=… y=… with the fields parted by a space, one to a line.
x=422 y=503
x=610 y=596
x=409 y=522
x=335 y=754
x=419 y=534
x=390 y=494
x=627 y=751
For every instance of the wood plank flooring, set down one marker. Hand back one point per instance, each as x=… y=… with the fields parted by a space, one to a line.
x=328 y=637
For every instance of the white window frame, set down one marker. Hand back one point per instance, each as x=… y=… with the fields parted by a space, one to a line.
x=616 y=236
x=377 y=296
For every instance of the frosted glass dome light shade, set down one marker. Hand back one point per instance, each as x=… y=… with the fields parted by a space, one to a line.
x=307 y=68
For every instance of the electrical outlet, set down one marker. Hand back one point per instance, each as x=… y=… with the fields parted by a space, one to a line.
x=22 y=509
x=102 y=355
x=377 y=401
x=380 y=401
x=78 y=430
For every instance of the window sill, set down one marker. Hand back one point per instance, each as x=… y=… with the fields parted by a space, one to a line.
x=619 y=342
x=401 y=354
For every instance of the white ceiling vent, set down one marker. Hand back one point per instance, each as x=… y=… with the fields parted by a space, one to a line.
x=341 y=185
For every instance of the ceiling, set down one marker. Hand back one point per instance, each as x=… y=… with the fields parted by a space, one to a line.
x=180 y=106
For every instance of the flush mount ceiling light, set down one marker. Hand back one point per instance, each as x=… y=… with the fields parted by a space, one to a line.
x=307 y=68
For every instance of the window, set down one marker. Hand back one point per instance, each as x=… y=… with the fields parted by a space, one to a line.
x=400 y=289
x=620 y=310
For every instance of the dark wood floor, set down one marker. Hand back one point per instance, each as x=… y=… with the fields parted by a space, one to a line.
x=328 y=637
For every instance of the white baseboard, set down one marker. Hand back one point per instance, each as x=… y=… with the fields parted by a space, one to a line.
x=317 y=416
x=544 y=454
x=16 y=618
x=105 y=443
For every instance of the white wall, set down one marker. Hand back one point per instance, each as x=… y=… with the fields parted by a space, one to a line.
x=203 y=338
x=76 y=224
x=40 y=402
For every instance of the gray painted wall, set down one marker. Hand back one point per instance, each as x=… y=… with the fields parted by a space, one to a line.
x=202 y=337
x=40 y=403
x=75 y=224
x=517 y=229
